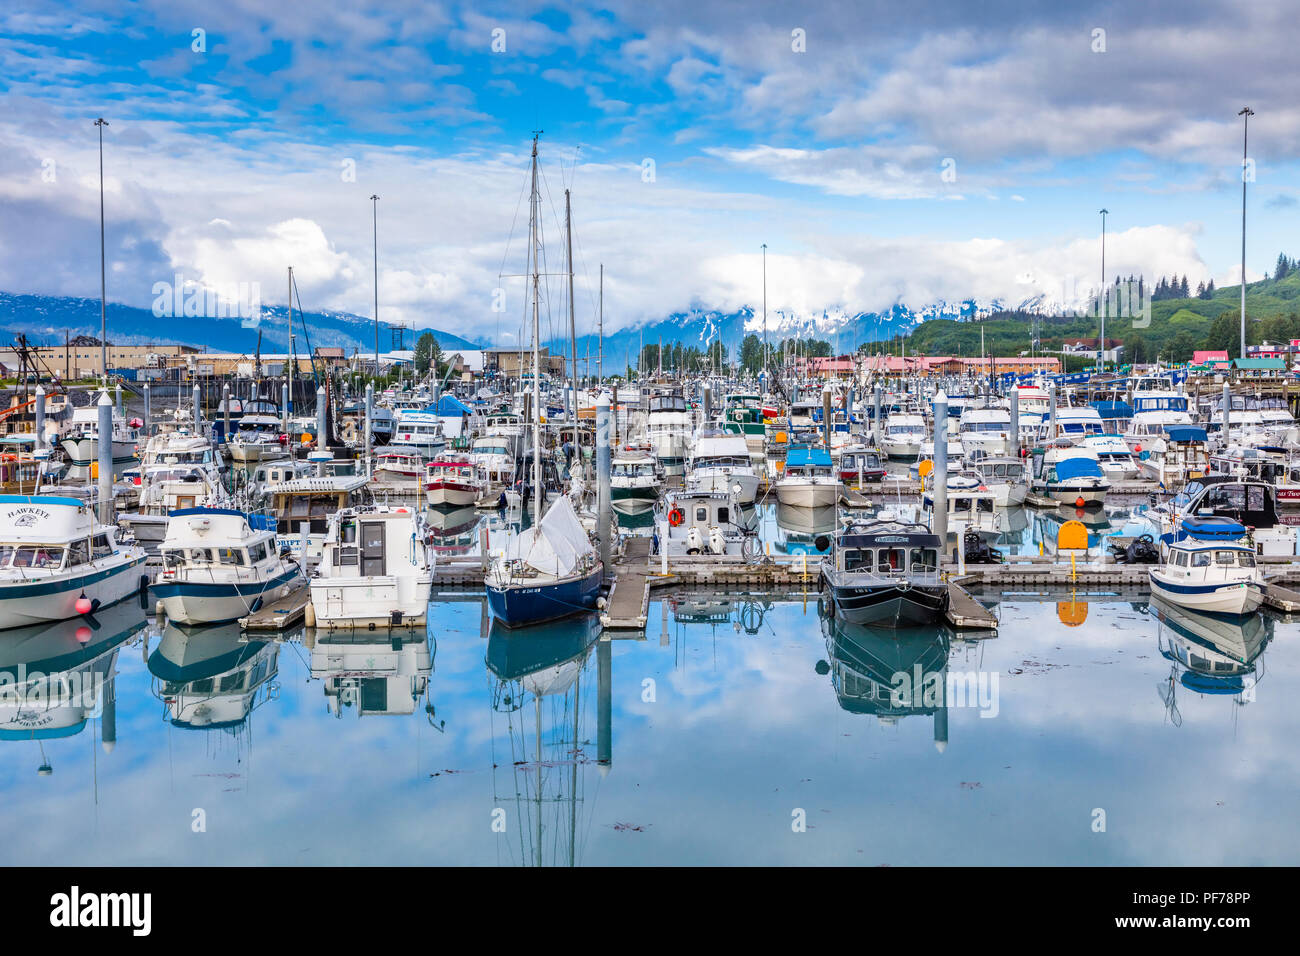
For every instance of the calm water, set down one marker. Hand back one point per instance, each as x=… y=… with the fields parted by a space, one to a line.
x=726 y=724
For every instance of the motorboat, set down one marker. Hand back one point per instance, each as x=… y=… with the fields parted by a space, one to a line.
x=885 y=573
x=80 y=442
x=807 y=480
x=902 y=436
x=1210 y=569
x=634 y=481
x=57 y=561
x=1075 y=477
x=217 y=568
x=721 y=462
x=1113 y=454
x=452 y=480
x=376 y=569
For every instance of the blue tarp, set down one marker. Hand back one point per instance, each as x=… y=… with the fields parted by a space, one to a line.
x=1072 y=468
x=1213 y=529
x=450 y=406
x=1184 y=433
x=1110 y=411
x=799 y=457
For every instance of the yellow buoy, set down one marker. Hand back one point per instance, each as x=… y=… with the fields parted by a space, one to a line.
x=925 y=468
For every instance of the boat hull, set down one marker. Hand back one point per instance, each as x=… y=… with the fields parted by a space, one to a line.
x=366 y=602
x=521 y=605
x=1071 y=493
x=84 y=452
x=803 y=495
x=444 y=493
x=39 y=602
x=200 y=602
x=1234 y=598
x=890 y=605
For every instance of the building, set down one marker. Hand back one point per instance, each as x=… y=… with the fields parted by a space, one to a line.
x=513 y=362
x=1214 y=360
x=1259 y=368
x=80 y=357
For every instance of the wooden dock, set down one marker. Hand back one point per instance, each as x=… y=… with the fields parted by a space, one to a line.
x=965 y=612
x=279 y=615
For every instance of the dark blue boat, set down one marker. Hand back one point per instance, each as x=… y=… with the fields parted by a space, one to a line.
x=518 y=605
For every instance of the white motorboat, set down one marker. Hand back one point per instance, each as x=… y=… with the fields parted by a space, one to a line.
x=1210 y=569
x=721 y=462
x=634 y=482
x=1006 y=478
x=1113 y=454
x=985 y=431
x=903 y=435
x=375 y=570
x=217 y=568
x=81 y=442
x=421 y=431
x=57 y=561
x=807 y=480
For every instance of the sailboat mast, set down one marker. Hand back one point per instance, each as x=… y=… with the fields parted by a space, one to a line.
x=600 y=355
x=573 y=336
x=538 y=491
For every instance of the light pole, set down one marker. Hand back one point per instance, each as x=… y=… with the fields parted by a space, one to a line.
x=103 y=286
x=1245 y=113
x=1101 y=306
x=765 y=309
x=374 y=217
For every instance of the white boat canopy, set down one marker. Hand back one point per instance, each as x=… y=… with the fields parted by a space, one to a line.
x=555 y=545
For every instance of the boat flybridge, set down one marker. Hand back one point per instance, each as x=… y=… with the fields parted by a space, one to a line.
x=57 y=561
x=375 y=570
x=217 y=568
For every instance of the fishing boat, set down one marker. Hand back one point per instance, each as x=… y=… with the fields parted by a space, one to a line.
x=971 y=510
x=375 y=570
x=885 y=573
x=633 y=481
x=985 y=431
x=721 y=462
x=57 y=561
x=859 y=463
x=705 y=522
x=309 y=501
x=548 y=571
x=80 y=442
x=1006 y=478
x=452 y=480
x=807 y=481
x=217 y=568
x=1211 y=569
x=668 y=429
x=258 y=437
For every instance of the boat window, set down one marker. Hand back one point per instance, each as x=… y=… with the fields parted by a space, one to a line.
x=78 y=553
x=893 y=559
x=724 y=516
x=1225 y=559
x=1255 y=498
x=37 y=557
x=6 y=552
x=230 y=555
x=924 y=559
x=1180 y=558
x=1201 y=559
x=858 y=560
x=102 y=547
x=1246 y=559
x=200 y=556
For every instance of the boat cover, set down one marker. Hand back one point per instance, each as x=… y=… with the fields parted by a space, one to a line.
x=1072 y=468
x=554 y=545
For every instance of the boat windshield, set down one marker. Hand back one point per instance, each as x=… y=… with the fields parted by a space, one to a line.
x=30 y=556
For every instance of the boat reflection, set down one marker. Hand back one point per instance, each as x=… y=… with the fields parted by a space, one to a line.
x=889 y=674
x=798 y=528
x=1209 y=654
x=372 y=672
x=742 y=611
x=451 y=529
x=55 y=677
x=537 y=684
x=209 y=678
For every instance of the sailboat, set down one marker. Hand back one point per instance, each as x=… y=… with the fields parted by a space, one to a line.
x=551 y=570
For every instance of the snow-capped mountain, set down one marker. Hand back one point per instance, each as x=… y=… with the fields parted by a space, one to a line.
x=47 y=319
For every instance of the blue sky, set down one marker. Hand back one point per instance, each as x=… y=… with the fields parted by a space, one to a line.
x=824 y=130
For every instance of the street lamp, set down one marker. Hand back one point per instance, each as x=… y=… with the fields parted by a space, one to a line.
x=765 y=309
x=1245 y=113
x=103 y=287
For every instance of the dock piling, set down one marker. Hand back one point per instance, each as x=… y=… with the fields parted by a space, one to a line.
x=939 y=519
x=104 y=443
x=603 y=516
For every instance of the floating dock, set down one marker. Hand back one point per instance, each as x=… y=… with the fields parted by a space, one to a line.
x=279 y=615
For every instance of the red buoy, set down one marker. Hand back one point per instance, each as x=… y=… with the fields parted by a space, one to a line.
x=1079 y=502
x=83 y=605
x=83 y=634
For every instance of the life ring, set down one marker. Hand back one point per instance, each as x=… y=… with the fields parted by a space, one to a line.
x=676 y=517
